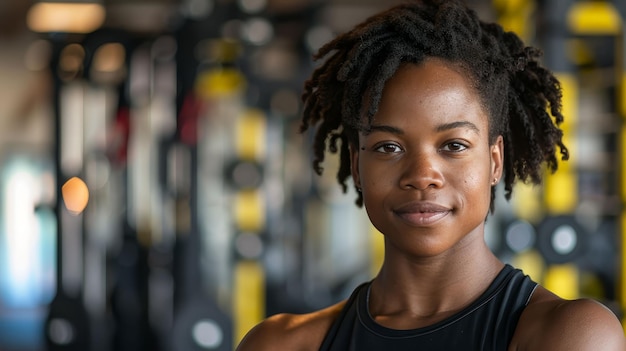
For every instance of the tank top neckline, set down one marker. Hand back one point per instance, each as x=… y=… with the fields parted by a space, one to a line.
x=368 y=321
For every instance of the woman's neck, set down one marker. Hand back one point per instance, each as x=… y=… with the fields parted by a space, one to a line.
x=412 y=292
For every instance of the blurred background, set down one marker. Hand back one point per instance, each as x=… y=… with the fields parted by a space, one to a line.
x=155 y=193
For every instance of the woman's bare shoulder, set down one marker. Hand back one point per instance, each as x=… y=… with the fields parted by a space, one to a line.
x=552 y=323
x=285 y=331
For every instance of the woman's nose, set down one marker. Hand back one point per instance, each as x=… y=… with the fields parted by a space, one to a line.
x=421 y=171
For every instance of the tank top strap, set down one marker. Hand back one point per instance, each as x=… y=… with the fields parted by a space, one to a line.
x=348 y=316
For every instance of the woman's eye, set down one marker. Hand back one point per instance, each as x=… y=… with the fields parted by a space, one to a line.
x=454 y=147
x=388 y=148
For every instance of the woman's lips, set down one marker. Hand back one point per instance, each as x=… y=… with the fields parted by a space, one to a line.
x=422 y=213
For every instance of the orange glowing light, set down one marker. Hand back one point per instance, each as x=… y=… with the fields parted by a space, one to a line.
x=75 y=195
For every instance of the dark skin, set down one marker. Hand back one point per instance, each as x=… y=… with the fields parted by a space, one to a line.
x=426 y=170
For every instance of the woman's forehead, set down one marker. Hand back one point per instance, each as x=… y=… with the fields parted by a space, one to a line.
x=433 y=82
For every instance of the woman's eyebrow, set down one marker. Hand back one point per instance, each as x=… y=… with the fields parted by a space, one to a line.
x=458 y=124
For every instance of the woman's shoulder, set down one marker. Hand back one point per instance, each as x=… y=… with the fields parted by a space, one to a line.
x=291 y=331
x=552 y=323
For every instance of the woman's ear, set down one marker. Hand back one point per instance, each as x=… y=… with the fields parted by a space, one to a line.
x=354 y=165
x=497 y=160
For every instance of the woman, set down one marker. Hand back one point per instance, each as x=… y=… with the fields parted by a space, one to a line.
x=430 y=108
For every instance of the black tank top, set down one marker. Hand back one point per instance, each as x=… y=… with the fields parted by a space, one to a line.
x=486 y=324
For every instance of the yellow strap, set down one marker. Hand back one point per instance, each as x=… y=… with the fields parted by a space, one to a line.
x=249 y=299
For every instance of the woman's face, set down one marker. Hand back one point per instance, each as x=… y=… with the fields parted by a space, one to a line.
x=426 y=168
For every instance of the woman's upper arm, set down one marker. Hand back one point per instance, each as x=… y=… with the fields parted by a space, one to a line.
x=300 y=332
x=265 y=335
x=580 y=325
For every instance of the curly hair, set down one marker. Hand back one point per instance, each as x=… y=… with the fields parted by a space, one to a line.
x=342 y=95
